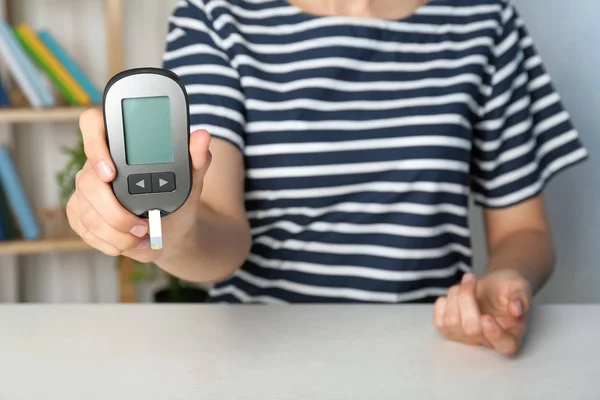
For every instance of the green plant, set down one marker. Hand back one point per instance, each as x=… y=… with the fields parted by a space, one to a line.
x=66 y=177
x=143 y=272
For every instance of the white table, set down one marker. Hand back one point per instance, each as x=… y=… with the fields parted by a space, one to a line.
x=202 y=352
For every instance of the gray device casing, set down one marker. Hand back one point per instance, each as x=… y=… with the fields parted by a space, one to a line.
x=149 y=82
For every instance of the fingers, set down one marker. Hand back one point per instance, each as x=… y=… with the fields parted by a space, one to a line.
x=201 y=158
x=95 y=146
x=94 y=224
x=439 y=309
x=502 y=341
x=516 y=308
x=519 y=299
x=452 y=321
x=95 y=214
x=469 y=310
x=97 y=234
x=507 y=291
x=102 y=200
x=199 y=143
x=457 y=316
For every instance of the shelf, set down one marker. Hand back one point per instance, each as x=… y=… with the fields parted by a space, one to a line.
x=57 y=245
x=56 y=235
x=33 y=115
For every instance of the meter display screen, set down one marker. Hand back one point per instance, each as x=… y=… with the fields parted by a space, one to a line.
x=147 y=130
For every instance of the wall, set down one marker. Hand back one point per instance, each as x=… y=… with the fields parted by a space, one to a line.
x=566 y=37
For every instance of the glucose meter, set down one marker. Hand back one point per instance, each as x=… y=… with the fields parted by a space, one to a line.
x=146 y=117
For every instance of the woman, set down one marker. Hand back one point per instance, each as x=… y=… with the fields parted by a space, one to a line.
x=347 y=137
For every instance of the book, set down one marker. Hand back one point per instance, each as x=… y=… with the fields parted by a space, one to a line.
x=23 y=69
x=3 y=235
x=4 y=98
x=71 y=66
x=7 y=222
x=64 y=82
x=17 y=199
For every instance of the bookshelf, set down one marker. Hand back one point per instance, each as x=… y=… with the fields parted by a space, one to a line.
x=50 y=245
x=40 y=115
x=65 y=240
x=57 y=237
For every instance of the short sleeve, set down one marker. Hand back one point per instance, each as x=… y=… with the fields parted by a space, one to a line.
x=195 y=52
x=523 y=136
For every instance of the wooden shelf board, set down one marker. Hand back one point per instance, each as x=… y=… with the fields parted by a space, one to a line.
x=53 y=245
x=33 y=115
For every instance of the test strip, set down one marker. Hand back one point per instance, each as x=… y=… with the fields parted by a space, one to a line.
x=155 y=229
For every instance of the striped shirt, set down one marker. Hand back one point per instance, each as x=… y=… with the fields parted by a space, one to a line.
x=364 y=139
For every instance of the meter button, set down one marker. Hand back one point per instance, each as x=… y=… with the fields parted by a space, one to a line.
x=163 y=182
x=139 y=183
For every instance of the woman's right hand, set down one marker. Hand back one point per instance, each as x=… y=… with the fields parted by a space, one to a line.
x=96 y=215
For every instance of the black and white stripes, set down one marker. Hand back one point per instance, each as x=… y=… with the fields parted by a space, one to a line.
x=363 y=139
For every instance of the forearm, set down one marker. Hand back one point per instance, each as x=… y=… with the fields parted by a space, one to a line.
x=530 y=252
x=211 y=252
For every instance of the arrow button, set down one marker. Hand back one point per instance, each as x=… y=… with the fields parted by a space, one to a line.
x=139 y=183
x=163 y=182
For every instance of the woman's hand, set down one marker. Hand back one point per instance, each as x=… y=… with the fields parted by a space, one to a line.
x=96 y=215
x=488 y=312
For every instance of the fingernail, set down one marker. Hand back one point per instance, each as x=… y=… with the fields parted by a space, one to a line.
x=467 y=278
x=487 y=324
x=138 y=230
x=519 y=306
x=105 y=170
x=143 y=244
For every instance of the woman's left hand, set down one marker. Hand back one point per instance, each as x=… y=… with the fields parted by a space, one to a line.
x=487 y=312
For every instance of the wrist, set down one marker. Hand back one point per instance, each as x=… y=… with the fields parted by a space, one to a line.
x=504 y=277
x=517 y=269
x=176 y=245
x=528 y=254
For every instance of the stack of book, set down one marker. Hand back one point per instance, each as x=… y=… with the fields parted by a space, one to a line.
x=17 y=218
x=42 y=69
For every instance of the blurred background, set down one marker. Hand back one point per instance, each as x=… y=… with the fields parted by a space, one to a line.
x=81 y=43
x=101 y=37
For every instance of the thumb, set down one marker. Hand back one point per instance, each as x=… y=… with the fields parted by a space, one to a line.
x=519 y=300
x=95 y=146
x=201 y=157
